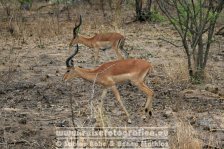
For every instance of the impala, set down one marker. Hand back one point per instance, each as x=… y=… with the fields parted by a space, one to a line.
x=111 y=73
x=101 y=41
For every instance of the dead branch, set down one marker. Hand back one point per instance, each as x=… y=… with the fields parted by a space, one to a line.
x=169 y=42
x=220 y=31
x=41 y=7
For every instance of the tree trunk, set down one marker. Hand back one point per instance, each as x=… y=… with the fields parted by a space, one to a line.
x=138 y=10
x=102 y=7
x=143 y=14
x=198 y=76
x=198 y=73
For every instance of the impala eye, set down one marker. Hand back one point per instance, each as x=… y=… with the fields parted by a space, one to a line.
x=68 y=70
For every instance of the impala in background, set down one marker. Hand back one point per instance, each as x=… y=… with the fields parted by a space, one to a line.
x=100 y=41
x=111 y=73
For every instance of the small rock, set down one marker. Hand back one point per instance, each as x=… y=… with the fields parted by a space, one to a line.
x=206 y=128
x=8 y=128
x=187 y=91
x=192 y=122
x=11 y=129
x=50 y=75
x=207 y=124
x=22 y=115
x=81 y=61
x=218 y=58
x=167 y=113
x=63 y=123
x=221 y=93
x=1 y=132
x=211 y=88
x=23 y=121
x=156 y=80
x=90 y=121
x=98 y=127
x=116 y=112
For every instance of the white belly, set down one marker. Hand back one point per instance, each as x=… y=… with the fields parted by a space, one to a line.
x=104 y=44
x=123 y=77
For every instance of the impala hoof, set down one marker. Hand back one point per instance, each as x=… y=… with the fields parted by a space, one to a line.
x=129 y=121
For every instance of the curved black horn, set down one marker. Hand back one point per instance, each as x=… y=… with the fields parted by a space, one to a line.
x=69 y=61
x=77 y=26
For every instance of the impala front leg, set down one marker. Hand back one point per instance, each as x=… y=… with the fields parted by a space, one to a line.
x=118 y=97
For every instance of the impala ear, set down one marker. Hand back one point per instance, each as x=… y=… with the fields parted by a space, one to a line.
x=77 y=31
x=71 y=63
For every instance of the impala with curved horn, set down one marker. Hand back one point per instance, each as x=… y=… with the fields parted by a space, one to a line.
x=111 y=73
x=100 y=41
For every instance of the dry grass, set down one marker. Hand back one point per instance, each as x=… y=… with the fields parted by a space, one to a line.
x=185 y=137
x=176 y=71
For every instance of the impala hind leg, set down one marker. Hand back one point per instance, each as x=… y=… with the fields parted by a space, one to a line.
x=125 y=52
x=118 y=53
x=121 y=47
x=148 y=105
x=96 y=56
x=102 y=98
x=116 y=48
x=118 y=97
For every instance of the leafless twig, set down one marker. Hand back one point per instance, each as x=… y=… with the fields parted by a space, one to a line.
x=169 y=42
